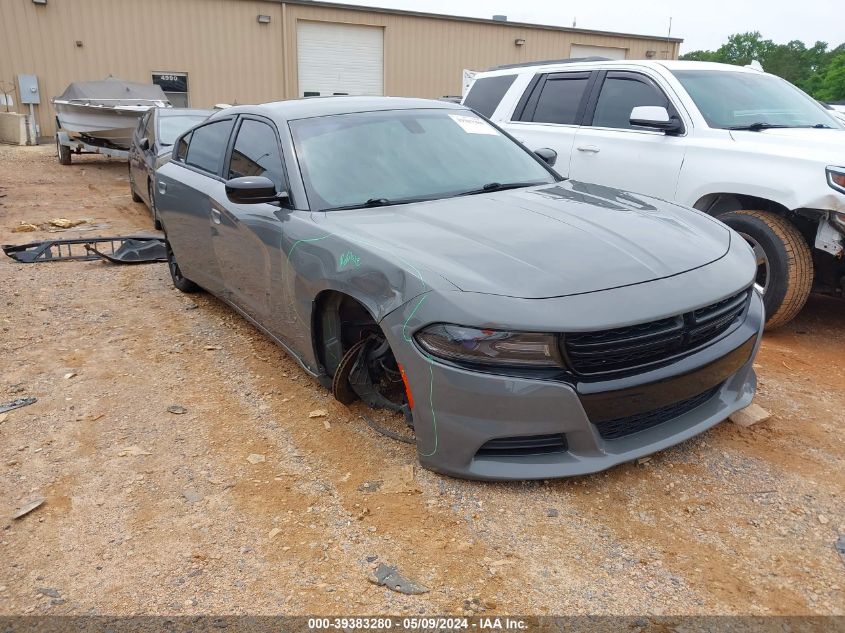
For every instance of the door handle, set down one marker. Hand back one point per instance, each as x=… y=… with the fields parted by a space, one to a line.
x=215 y=215
x=162 y=187
x=588 y=148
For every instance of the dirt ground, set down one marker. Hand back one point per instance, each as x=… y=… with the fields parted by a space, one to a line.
x=153 y=512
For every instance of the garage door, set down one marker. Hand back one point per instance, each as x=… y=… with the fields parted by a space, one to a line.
x=585 y=50
x=340 y=59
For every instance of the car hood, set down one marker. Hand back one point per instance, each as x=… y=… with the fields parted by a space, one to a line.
x=546 y=241
x=820 y=145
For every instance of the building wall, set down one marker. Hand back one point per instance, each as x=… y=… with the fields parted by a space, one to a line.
x=230 y=57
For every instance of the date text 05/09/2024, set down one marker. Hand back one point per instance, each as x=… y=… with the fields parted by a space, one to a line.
x=418 y=624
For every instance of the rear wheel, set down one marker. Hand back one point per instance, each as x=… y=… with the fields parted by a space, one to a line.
x=153 y=208
x=784 y=262
x=179 y=280
x=63 y=152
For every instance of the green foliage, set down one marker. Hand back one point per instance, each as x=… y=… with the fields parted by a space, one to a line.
x=816 y=70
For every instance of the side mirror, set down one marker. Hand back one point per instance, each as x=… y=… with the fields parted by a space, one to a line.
x=144 y=144
x=547 y=155
x=655 y=118
x=253 y=190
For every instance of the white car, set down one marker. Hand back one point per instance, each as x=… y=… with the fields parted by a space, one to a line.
x=736 y=143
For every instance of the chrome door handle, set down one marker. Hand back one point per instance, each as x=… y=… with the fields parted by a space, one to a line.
x=215 y=216
x=588 y=148
x=162 y=187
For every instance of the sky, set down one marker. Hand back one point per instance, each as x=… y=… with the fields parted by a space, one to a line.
x=702 y=24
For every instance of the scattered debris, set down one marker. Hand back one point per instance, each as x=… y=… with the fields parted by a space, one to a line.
x=133 y=451
x=28 y=507
x=17 y=404
x=191 y=306
x=274 y=533
x=118 y=250
x=3 y=417
x=643 y=460
x=327 y=425
x=388 y=576
x=401 y=481
x=70 y=375
x=823 y=519
x=318 y=413
x=64 y=223
x=49 y=592
x=24 y=227
x=211 y=348
x=840 y=546
x=192 y=496
x=370 y=486
x=255 y=458
x=552 y=513
x=750 y=415
x=177 y=409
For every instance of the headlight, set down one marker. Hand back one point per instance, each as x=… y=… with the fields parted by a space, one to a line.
x=490 y=347
x=836 y=178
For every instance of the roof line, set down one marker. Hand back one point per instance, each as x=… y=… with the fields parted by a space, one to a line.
x=463 y=18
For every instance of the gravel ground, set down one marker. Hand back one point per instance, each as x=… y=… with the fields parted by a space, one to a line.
x=245 y=504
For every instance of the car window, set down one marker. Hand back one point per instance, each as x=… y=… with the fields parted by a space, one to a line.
x=487 y=92
x=208 y=146
x=169 y=127
x=403 y=155
x=182 y=148
x=560 y=99
x=256 y=153
x=621 y=94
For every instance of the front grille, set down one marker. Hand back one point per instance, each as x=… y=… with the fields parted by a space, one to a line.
x=524 y=445
x=632 y=347
x=614 y=429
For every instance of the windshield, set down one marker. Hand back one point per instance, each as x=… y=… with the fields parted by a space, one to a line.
x=171 y=127
x=739 y=99
x=396 y=156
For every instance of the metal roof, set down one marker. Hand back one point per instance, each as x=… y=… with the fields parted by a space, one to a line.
x=463 y=18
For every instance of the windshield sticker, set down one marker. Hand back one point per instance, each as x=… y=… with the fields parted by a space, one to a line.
x=473 y=125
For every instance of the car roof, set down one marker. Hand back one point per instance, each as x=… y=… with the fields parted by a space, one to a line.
x=326 y=106
x=586 y=64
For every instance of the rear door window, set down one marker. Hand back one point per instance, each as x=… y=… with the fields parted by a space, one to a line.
x=487 y=92
x=208 y=146
x=621 y=93
x=558 y=98
x=256 y=153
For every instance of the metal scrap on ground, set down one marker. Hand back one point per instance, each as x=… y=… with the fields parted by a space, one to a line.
x=139 y=249
x=387 y=576
x=17 y=404
x=28 y=507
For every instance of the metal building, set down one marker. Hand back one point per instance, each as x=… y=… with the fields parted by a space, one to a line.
x=204 y=52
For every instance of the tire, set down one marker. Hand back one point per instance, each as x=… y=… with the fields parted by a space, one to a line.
x=63 y=152
x=784 y=260
x=179 y=280
x=153 y=208
x=135 y=196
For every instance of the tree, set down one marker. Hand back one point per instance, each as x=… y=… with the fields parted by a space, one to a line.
x=832 y=83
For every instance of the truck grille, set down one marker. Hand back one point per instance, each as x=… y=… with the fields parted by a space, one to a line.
x=614 y=429
x=635 y=346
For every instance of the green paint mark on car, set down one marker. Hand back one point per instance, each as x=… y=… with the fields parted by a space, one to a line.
x=349 y=259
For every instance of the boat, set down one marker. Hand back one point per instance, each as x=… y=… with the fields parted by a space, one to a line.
x=105 y=113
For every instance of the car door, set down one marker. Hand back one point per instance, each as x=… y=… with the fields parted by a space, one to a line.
x=609 y=151
x=185 y=197
x=245 y=236
x=550 y=112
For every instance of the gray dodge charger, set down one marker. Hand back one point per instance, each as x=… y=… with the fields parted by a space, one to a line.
x=410 y=254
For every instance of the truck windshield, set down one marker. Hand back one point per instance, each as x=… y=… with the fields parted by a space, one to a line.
x=399 y=156
x=746 y=100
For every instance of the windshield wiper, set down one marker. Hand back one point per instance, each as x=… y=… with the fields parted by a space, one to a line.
x=376 y=202
x=500 y=186
x=757 y=126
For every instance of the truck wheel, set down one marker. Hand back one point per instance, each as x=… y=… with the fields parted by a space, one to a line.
x=179 y=280
x=63 y=152
x=784 y=262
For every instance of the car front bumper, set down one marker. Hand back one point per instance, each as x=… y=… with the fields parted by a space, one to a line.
x=457 y=411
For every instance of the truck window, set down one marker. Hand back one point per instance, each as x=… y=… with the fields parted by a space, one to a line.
x=487 y=92
x=622 y=93
x=560 y=99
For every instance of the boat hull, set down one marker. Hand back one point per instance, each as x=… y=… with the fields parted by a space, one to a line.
x=109 y=125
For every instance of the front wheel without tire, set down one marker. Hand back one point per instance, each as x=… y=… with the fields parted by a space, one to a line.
x=784 y=262
x=179 y=280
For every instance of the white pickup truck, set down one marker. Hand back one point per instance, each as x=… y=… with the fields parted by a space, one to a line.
x=736 y=143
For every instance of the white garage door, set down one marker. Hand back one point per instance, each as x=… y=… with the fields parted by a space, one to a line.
x=340 y=59
x=585 y=50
